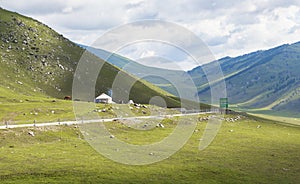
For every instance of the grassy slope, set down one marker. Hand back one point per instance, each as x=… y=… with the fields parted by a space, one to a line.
x=37 y=65
x=31 y=53
x=44 y=61
x=247 y=154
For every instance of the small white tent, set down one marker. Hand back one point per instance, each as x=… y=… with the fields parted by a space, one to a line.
x=103 y=98
x=130 y=102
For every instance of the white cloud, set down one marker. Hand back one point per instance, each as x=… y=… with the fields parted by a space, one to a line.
x=68 y=10
x=231 y=27
x=147 y=53
x=159 y=55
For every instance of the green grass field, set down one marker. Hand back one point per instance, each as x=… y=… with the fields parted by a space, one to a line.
x=282 y=119
x=241 y=153
x=273 y=115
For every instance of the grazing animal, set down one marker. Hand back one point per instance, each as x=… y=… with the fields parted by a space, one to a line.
x=68 y=98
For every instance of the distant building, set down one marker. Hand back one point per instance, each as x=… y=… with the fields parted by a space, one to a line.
x=103 y=98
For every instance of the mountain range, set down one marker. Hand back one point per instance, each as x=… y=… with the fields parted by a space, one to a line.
x=265 y=80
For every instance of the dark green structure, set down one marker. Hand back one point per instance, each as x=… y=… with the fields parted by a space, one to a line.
x=224 y=104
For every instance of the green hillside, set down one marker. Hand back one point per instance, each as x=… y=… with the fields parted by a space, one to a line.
x=37 y=61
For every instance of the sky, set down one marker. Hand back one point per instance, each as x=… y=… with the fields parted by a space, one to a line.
x=227 y=27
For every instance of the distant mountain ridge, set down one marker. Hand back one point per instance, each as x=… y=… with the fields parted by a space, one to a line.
x=265 y=79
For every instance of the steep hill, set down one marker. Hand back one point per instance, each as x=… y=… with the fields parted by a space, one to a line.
x=37 y=61
x=267 y=79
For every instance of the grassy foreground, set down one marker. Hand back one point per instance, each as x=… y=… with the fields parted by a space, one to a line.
x=245 y=151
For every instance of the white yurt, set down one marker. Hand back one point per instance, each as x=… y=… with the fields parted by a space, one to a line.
x=103 y=98
x=130 y=102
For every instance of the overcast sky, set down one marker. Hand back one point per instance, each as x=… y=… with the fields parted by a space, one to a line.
x=228 y=27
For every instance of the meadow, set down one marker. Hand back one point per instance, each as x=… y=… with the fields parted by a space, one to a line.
x=250 y=150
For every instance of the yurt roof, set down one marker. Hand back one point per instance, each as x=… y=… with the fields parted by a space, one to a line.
x=103 y=96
